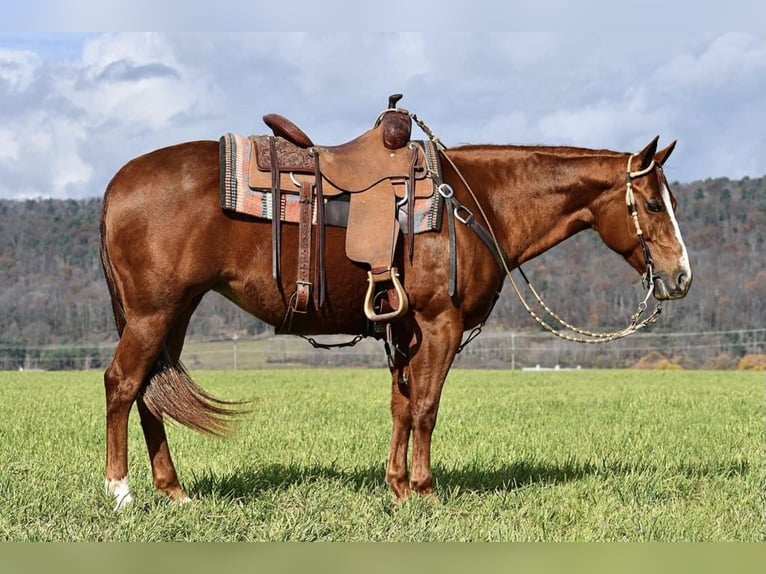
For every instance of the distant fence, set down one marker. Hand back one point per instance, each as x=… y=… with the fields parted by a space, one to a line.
x=497 y=350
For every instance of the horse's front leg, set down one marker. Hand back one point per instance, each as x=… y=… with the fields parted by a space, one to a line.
x=428 y=368
x=415 y=400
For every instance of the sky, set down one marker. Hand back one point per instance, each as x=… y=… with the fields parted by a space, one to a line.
x=76 y=107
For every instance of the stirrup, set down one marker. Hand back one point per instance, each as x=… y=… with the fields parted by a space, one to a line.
x=372 y=279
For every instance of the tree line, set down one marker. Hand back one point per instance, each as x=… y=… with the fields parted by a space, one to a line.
x=52 y=291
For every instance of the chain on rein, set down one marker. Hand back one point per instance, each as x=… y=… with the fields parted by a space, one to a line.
x=582 y=335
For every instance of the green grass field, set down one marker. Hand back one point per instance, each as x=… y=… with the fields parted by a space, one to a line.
x=580 y=456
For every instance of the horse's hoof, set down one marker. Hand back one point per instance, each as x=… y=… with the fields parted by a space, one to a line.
x=123 y=502
x=177 y=495
x=120 y=490
x=182 y=499
x=401 y=496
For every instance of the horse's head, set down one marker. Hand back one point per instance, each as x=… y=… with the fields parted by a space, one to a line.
x=647 y=233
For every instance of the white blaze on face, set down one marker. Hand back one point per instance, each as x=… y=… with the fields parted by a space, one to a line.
x=120 y=490
x=684 y=262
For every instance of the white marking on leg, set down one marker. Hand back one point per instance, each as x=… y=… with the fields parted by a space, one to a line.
x=120 y=490
x=684 y=262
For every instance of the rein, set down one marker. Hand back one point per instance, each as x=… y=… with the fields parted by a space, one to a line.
x=465 y=216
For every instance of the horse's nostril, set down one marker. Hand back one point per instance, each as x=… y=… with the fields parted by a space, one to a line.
x=682 y=279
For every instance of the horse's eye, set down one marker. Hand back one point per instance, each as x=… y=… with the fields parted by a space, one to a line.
x=654 y=206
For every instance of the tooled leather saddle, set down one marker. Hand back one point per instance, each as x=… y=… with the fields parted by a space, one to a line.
x=378 y=171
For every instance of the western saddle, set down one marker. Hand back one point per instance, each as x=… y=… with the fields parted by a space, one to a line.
x=378 y=172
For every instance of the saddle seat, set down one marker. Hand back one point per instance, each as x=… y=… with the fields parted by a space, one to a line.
x=375 y=170
x=396 y=132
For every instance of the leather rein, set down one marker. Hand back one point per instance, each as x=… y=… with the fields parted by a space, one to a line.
x=458 y=211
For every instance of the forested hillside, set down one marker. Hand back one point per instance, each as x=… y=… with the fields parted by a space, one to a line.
x=52 y=290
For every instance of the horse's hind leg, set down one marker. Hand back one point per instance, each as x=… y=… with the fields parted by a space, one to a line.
x=139 y=346
x=164 y=473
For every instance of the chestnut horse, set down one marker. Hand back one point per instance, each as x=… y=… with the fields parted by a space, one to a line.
x=165 y=242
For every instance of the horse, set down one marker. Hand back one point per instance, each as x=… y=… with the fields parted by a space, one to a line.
x=165 y=242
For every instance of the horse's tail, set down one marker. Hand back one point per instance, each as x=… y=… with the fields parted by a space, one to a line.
x=106 y=265
x=169 y=389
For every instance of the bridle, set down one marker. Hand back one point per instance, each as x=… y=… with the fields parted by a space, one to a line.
x=630 y=200
x=489 y=238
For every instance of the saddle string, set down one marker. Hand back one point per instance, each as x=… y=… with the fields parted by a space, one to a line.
x=636 y=323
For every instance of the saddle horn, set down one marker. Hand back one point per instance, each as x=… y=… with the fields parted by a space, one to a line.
x=393 y=99
x=397 y=127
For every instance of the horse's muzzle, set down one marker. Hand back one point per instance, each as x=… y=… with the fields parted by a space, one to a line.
x=674 y=287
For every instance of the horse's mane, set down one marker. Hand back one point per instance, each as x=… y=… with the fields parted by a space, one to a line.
x=571 y=150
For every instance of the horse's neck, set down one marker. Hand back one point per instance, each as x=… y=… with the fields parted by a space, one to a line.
x=535 y=197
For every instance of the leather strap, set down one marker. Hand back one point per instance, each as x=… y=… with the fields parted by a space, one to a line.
x=303 y=284
x=276 y=212
x=452 y=288
x=319 y=271
x=411 y=205
x=469 y=220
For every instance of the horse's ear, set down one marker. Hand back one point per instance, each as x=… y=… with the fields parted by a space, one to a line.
x=646 y=155
x=662 y=156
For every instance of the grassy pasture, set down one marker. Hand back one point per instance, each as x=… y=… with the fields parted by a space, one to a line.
x=570 y=455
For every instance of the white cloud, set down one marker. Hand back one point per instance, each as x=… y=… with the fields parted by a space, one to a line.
x=17 y=69
x=620 y=124
x=133 y=80
x=43 y=158
x=67 y=167
x=121 y=88
x=726 y=62
x=100 y=52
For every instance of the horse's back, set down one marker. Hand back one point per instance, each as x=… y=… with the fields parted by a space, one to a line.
x=185 y=170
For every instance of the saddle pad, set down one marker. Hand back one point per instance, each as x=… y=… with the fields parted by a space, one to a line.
x=236 y=195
